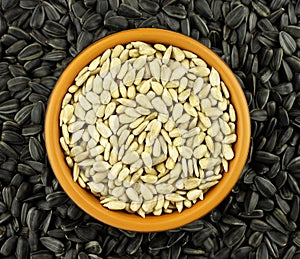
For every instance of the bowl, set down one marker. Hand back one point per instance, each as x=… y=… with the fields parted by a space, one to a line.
x=87 y=201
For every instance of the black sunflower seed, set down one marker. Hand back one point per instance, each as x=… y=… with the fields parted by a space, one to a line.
x=178 y=12
x=23 y=191
x=7 y=150
x=39 y=88
x=293 y=30
x=264 y=186
x=241 y=34
x=33 y=241
x=4 y=95
x=41 y=254
x=148 y=6
x=56 y=233
x=33 y=219
x=234 y=235
x=262 y=251
x=5 y=176
x=234 y=57
x=9 y=246
x=56 y=198
x=83 y=255
x=294 y=164
x=39 y=72
x=287 y=71
x=23 y=115
x=74 y=212
x=277 y=58
x=37 y=112
x=255 y=239
x=72 y=253
x=171 y=22
x=17 y=83
x=92 y=22
x=86 y=233
x=260 y=8
x=54 y=29
x=8 y=4
x=259 y=225
x=265 y=25
x=296 y=238
x=30 y=52
x=38 y=17
x=116 y=22
x=57 y=43
x=175 y=238
x=271 y=127
x=251 y=202
x=266 y=74
x=3 y=207
x=224 y=252
x=110 y=245
x=278 y=238
x=22 y=249
x=9 y=106
x=78 y=9
x=236 y=16
x=276 y=4
x=203 y=8
x=17 y=70
x=159 y=243
x=18 y=33
x=39 y=37
x=216 y=7
x=31 y=130
x=16 y=207
x=200 y=25
x=32 y=64
x=134 y=244
x=289 y=101
x=185 y=27
x=287 y=43
x=84 y=39
x=259 y=115
x=102 y=6
x=283 y=117
x=280 y=179
x=52 y=11
x=294 y=63
x=265 y=157
x=286 y=136
x=54 y=56
x=16 y=47
x=35 y=149
x=293 y=184
x=12 y=137
x=272 y=221
x=4 y=217
x=241 y=252
x=128 y=11
x=28 y=4
x=53 y=244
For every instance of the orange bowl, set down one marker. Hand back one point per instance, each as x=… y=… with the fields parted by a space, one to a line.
x=88 y=202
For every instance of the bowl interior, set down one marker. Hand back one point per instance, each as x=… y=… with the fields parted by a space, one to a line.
x=90 y=203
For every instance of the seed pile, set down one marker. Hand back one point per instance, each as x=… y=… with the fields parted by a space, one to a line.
x=148 y=128
x=260 y=217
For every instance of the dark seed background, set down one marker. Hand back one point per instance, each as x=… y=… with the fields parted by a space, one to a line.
x=259 y=40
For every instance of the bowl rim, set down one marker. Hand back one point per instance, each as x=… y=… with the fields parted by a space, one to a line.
x=125 y=220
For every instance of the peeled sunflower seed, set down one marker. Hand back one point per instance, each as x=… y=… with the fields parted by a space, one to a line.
x=130 y=131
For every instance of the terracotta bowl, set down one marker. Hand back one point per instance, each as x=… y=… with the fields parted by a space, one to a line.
x=89 y=203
